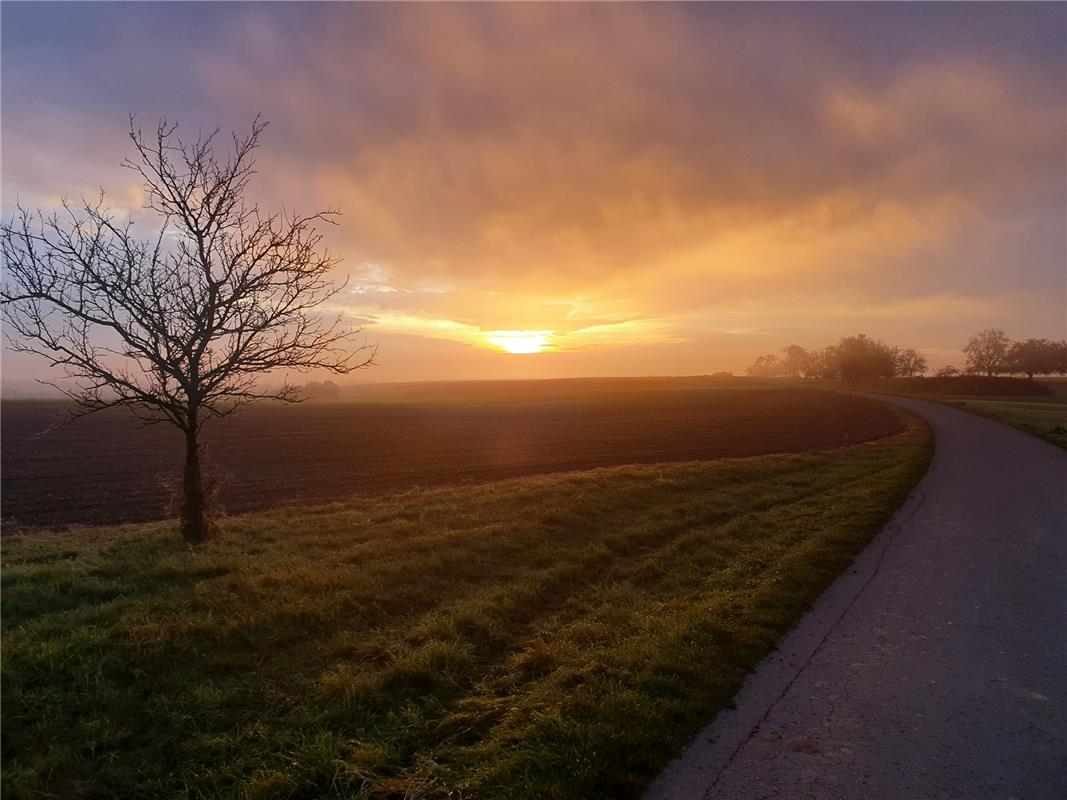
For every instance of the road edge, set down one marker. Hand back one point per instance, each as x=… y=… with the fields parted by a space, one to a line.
x=698 y=769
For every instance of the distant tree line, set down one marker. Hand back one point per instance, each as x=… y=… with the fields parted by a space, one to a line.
x=854 y=359
x=326 y=390
x=991 y=352
x=861 y=359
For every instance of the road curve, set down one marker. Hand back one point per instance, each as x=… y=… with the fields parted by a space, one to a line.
x=936 y=666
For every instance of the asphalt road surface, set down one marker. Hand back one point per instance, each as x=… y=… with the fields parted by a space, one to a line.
x=936 y=667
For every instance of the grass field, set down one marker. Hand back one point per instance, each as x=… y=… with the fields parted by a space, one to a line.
x=545 y=637
x=1044 y=417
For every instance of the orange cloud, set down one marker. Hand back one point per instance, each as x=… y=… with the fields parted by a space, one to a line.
x=693 y=179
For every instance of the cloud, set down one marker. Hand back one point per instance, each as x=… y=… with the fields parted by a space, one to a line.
x=659 y=174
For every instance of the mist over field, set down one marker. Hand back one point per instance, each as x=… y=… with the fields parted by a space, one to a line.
x=111 y=468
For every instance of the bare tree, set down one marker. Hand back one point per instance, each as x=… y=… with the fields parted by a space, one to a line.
x=910 y=362
x=795 y=361
x=1036 y=357
x=767 y=366
x=860 y=358
x=180 y=328
x=987 y=351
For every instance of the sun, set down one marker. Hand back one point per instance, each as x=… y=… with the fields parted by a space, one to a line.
x=520 y=342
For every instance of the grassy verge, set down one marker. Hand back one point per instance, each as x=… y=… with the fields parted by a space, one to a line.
x=1043 y=417
x=552 y=637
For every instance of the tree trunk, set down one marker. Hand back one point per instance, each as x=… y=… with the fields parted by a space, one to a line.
x=194 y=515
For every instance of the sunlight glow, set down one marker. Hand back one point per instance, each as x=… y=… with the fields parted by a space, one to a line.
x=520 y=342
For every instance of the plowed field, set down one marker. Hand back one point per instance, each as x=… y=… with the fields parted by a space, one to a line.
x=107 y=468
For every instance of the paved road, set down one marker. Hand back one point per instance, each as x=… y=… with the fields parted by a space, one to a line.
x=937 y=666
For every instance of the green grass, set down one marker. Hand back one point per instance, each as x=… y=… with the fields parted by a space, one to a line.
x=1045 y=416
x=552 y=637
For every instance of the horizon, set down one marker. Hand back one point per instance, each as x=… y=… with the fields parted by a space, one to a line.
x=15 y=392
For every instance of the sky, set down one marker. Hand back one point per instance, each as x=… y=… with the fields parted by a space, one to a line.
x=625 y=189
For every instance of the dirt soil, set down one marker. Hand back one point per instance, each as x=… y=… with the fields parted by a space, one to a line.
x=106 y=468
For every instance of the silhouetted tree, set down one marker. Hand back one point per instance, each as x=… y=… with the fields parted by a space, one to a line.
x=1035 y=357
x=987 y=351
x=821 y=364
x=949 y=372
x=178 y=328
x=765 y=367
x=795 y=361
x=910 y=362
x=327 y=390
x=860 y=358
